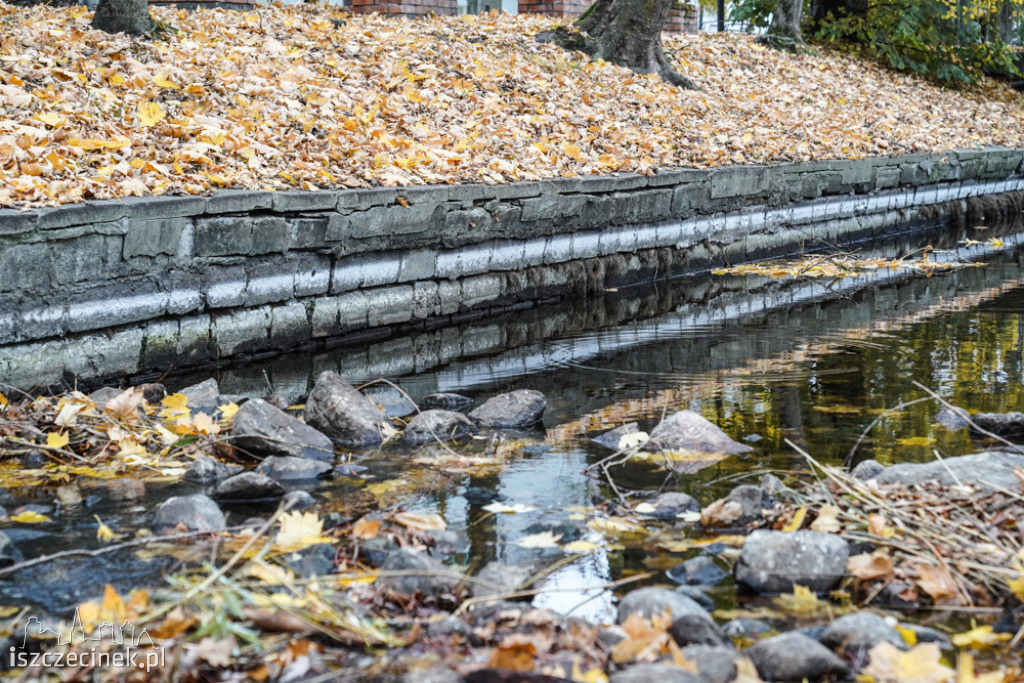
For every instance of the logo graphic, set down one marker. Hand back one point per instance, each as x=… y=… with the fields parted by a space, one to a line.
x=138 y=648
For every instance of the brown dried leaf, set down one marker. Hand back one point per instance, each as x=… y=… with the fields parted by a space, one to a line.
x=869 y=566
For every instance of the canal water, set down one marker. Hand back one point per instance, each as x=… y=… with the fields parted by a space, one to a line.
x=811 y=361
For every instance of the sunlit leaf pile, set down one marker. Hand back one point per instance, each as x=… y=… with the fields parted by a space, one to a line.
x=310 y=97
x=846 y=265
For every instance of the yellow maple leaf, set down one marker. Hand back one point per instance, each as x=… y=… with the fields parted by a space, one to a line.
x=3 y=400
x=175 y=407
x=29 y=517
x=105 y=533
x=802 y=601
x=151 y=113
x=572 y=151
x=299 y=530
x=164 y=81
x=227 y=412
x=57 y=440
x=52 y=119
x=920 y=663
x=980 y=638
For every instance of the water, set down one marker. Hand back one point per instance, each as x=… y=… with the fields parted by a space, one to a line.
x=809 y=362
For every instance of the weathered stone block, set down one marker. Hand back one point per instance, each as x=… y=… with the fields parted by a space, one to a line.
x=24 y=266
x=480 y=289
x=223 y=236
x=149 y=237
x=641 y=206
x=690 y=198
x=294 y=201
x=312 y=274
x=42 y=322
x=270 y=234
x=743 y=181
x=361 y=200
x=264 y=289
x=86 y=213
x=324 y=320
x=449 y=295
x=238 y=201
x=195 y=340
x=242 y=330
x=141 y=208
x=115 y=303
x=308 y=232
x=887 y=177
x=417 y=265
x=389 y=305
x=552 y=206
x=223 y=285
x=425 y=300
x=79 y=259
x=289 y=325
x=354 y=308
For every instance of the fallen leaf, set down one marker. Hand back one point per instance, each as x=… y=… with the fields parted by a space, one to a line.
x=150 y=114
x=544 y=539
x=920 y=664
x=938 y=583
x=980 y=638
x=870 y=566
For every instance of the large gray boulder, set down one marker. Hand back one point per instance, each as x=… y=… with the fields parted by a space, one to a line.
x=445 y=425
x=648 y=602
x=688 y=431
x=794 y=657
x=262 y=430
x=342 y=413
x=987 y=471
x=775 y=561
x=195 y=512
x=514 y=410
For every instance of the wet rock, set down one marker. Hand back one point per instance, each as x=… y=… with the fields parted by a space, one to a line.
x=1007 y=425
x=672 y=504
x=248 y=486
x=748 y=497
x=260 y=430
x=952 y=419
x=316 y=560
x=432 y=581
x=297 y=500
x=697 y=595
x=195 y=512
x=983 y=470
x=446 y=401
x=646 y=673
x=34 y=459
x=773 y=561
x=715 y=663
x=648 y=602
x=558 y=523
x=278 y=401
x=745 y=626
x=392 y=401
x=475 y=495
x=500 y=579
x=125 y=489
x=690 y=629
x=514 y=410
x=342 y=413
x=612 y=438
x=9 y=553
x=376 y=550
x=771 y=486
x=287 y=469
x=203 y=397
x=446 y=542
x=437 y=674
x=102 y=395
x=154 y=393
x=794 y=657
x=686 y=430
x=867 y=469
x=439 y=424
x=449 y=626
x=206 y=471
x=859 y=632
x=697 y=571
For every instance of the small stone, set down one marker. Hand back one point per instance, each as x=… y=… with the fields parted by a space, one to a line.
x=261 y=430
x=612 y=438
x=746 y=626
x=34 y=459
x=749 y=498
x=774 y=561
x=753 y=438
x=444 y=425
x=432 y=581
x=154 y=393
x=446 y=401
x=867 y=469
x=203 y=397
x=672 y=504
x=859 y=632
x=248 y=486
x=206 y=471
x=771 y=486
x=697 y=595
x=686 y=430
x=315 y=560
x=697 y=571
x=646 y=673
x=690 y=629
x=297 y=500
x=794 y=657
x=286 y=469
x=985 y=470
x=648 y=602
x=953 y=419
x=342 y=413
x=715 y=663
x=499 y=579
x=101 y=396
x=1006 y=425
x=514 y=410
x=195 y=512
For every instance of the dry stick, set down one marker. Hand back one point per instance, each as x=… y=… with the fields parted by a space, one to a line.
x=43 y=559
x=966 y=418
x=867 y=430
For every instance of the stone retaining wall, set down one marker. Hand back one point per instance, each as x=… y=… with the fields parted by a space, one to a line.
x=128 y=286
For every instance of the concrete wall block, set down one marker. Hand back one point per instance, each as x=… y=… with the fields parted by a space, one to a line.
x=246 y=329
x=269 y=288
x=80 y=259
x=346 y=274
x=507 y=254
x=39 y=323
x=480 y=289
x=742 y=181
x=295 y=201
x=690 y=198
x=24 y=266
x=150 y=237
x=550 y=207
x=642 y=206
x=289 y=324
x=389 y=305
x=353 y=310
x=379 y=269
x=449 y=295
x=324 y=321
x=586 y=244
x=308 y=232
x=458 y=226
x=887 y=177
x=238 y=201
x=223 y=235
x=195 y=340
x=270 y=235
x=312 y=274
x=646 y=237
x=115 y=303
x=533 y=251
x=461 y=262
x=223 y=286
x=558 y=249
x=417 y=265
x=859 y=174
x=361 y=200
x=141 y=208
x=426 y=301
x=160 y=344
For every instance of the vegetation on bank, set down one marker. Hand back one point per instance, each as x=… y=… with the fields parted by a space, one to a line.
x=309 y=97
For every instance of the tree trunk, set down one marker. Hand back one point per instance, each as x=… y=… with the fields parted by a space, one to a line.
x=785 y=26
x=625 y=32
x=128 y=16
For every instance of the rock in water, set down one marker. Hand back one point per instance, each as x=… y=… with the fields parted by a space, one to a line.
x=952 y=419
x=1006 y=425
x=773 y=561
x=203 y=397
x=9 y=553
x=431 y=580
x=612 y=438
x=648 y=602
x=984 y=470
x=794 y=657
x=206 y=471
x=290 y=469
x=515 y=410
x=859 y=632
x=445 y=424
x=262 y=430
x=691 y=629
x=196 y=512
x=342 y=413
x=446 y=401
x=248 y=486
x=688 y=431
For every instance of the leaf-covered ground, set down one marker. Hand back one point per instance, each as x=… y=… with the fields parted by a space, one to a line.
x=310 y=97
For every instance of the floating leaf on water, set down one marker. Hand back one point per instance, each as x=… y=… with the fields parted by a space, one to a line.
x=29 y=517
x=838 y=409
x=104 y=533
x=916 y=441
x=580 y=547
x=501 y=508
x=411 y=520
x=544 y=539
x=616 y=525
x=802 y=601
